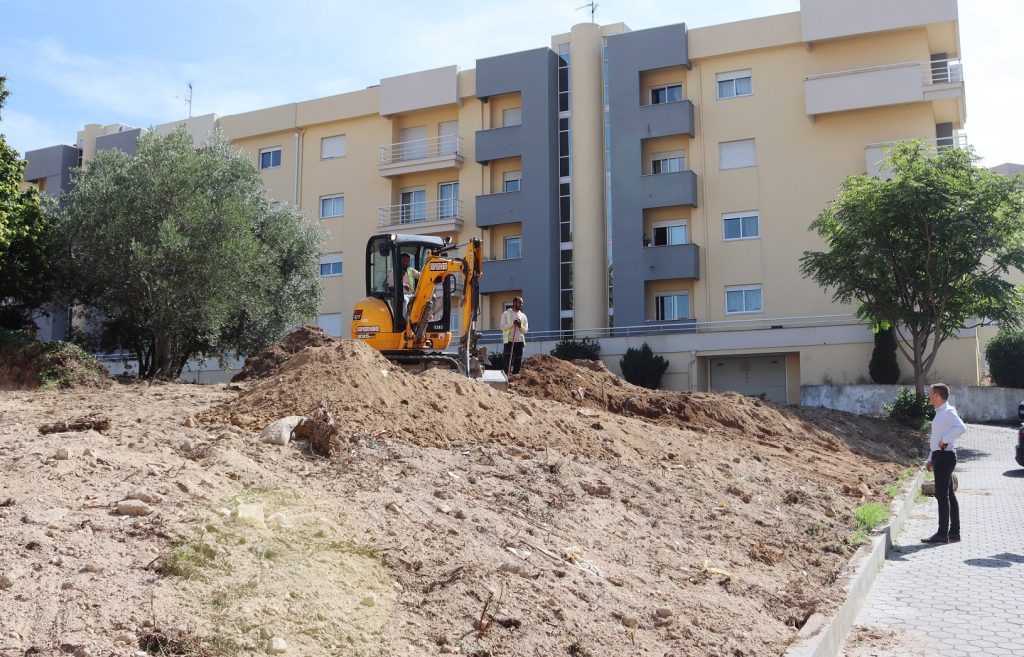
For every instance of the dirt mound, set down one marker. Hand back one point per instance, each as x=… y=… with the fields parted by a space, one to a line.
x=438 y=408
x=27 y=364
x=267 y=361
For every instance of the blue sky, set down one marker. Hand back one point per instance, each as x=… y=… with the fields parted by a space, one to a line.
x=70 y=63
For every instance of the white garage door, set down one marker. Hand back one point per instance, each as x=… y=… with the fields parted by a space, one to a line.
x=754 y=375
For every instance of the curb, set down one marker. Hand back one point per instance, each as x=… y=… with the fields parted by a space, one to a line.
x=826 y=639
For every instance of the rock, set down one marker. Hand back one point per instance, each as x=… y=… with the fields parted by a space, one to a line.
x=145 y=495
x=92 y=568
x=63 y=454
x=280 y=521
x=133 y=508
x=6 y=581
x=597 y=490
x=251 y=515
x=445 y=509
x=460 y=514
x=630 y=621
x=188 y=446
x=88 y=452
x=369 y=601
x=280 y=432
x=125 y=638
x=81 y=651
x=276 y=646
x=190 y=422
x=864 y=490
x=243 y=421
x=663 y=612
x=225 y=435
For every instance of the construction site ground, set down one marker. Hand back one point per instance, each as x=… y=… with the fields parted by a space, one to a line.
x=574 y=514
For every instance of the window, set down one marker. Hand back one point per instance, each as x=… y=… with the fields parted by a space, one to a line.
x=270 y=158
x=448 y=200
x=741 y=225
x=737 y=154
x=671 y=162
x=413 y=205
x=667 y=233
x=275 y=205
x=331 y=324
x=513 y=247
x=447 y=138
x=672 y=305
x=512 y=116
x=330 y=264
x=671 y=93
x=513 y=181
x=734 y=83
x=743 y=299
x=332 y=206
x=332 y=147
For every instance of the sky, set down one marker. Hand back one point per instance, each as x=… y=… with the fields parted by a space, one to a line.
x=69 y=63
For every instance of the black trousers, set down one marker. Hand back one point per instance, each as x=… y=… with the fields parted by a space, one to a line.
x=943 y=463
x=513 y=351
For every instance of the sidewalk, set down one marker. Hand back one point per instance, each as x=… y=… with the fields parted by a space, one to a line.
x=963 y=598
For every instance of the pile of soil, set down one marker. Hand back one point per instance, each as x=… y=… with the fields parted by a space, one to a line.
x=267 y=361
x=26 y=364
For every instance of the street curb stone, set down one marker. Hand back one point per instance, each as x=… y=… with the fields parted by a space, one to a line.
x=858 y=578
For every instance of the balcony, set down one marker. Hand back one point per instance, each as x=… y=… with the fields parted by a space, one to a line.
x=879 y=86
x=665 y=119
x=424 y=218
x=498 y=143
x=421 y=155
x=660 y=263
x=501 y=275
x=875 y=152
x=664 y=189
x=502 y=208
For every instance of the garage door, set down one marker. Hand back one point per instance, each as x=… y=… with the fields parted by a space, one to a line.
x=755 y=375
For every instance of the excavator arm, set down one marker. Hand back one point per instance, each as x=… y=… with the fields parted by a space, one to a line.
x=436 y=269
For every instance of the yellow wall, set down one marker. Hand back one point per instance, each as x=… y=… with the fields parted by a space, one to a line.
x=663 y=145
x=499 y=168
x=497 y=303
x=495 y=242
x=661 y=77
x=654 y=288
x=498 y=104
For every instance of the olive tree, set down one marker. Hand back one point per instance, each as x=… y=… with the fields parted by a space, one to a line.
x=177 y=252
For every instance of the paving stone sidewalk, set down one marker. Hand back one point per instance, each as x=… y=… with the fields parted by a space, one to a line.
x=963 y=598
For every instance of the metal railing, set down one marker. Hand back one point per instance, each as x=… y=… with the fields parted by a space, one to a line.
x=426 y=211
x=957 y=140
x=421 y=149
x=942 y=71
x=685 y=327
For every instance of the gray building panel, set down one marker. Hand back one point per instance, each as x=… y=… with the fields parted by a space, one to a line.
x=54 y=165
x=497 y=143
x=534 y=75
x=661 y=263
x=125 y=141
x=629 y=55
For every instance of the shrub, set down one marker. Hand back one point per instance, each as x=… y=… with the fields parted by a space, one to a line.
x=1005 y=355
x=909 y=408
x=585 y=349
x=870 y=515
x=641 y=367
x=883 y=367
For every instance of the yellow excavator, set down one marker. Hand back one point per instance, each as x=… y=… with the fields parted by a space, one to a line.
x=407 y=311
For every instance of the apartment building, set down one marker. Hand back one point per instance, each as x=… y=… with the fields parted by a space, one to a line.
x=636 y=186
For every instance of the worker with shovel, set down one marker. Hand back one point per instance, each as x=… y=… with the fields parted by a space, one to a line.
x=514 y=326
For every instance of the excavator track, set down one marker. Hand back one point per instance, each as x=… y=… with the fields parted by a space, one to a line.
x=423 y=358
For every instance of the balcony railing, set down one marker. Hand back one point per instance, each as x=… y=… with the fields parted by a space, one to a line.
x=957 y=140
x=448 y=146
x=425 y=213
x=942 y=71
x=879 y=86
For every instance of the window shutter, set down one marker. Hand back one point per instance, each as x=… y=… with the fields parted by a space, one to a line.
x=736 y=154
x=332 y=147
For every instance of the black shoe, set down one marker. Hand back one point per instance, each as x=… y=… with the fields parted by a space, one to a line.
x=936 y=538
x=954 y=538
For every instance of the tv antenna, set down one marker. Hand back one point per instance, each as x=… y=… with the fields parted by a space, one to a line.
x=593 y=8
x=189 y=100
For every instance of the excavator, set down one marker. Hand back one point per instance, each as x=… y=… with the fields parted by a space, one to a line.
x=408 y=319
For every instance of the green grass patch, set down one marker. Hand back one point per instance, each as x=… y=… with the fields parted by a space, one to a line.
x=186 y=560
x=893 y=489
x=870 y=515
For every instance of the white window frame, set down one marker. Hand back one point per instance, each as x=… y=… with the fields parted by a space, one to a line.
x=517 y=116
x=413 y=211
x=756 y=214
x=333 y=140
x=668 y=225
x=332 y=197
x=732 y=76
x=332 y=259
x=743 y=288
x=671 y=294
x=668 y=157
x=665 y=88
x=519 y=239
x=512 y=176
x=721 y=163
x=448 y=208
x=270 y=151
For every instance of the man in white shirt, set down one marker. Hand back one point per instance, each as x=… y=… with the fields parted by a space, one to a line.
x=946 y=428
x=514 y=326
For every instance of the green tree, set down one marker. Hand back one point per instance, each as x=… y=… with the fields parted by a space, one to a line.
x=927 y=250
x=24 y=230
x=884 y=367
x=642 y=367
x=177 y=252
x=1005 y=356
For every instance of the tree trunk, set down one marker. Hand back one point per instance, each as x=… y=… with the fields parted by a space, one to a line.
x=919 y=370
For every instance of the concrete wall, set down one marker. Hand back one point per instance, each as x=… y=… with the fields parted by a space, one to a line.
x=422 y=90
x=827 y=19
x=974 y=403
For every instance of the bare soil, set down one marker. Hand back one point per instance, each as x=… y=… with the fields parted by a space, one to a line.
x=455 y=519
